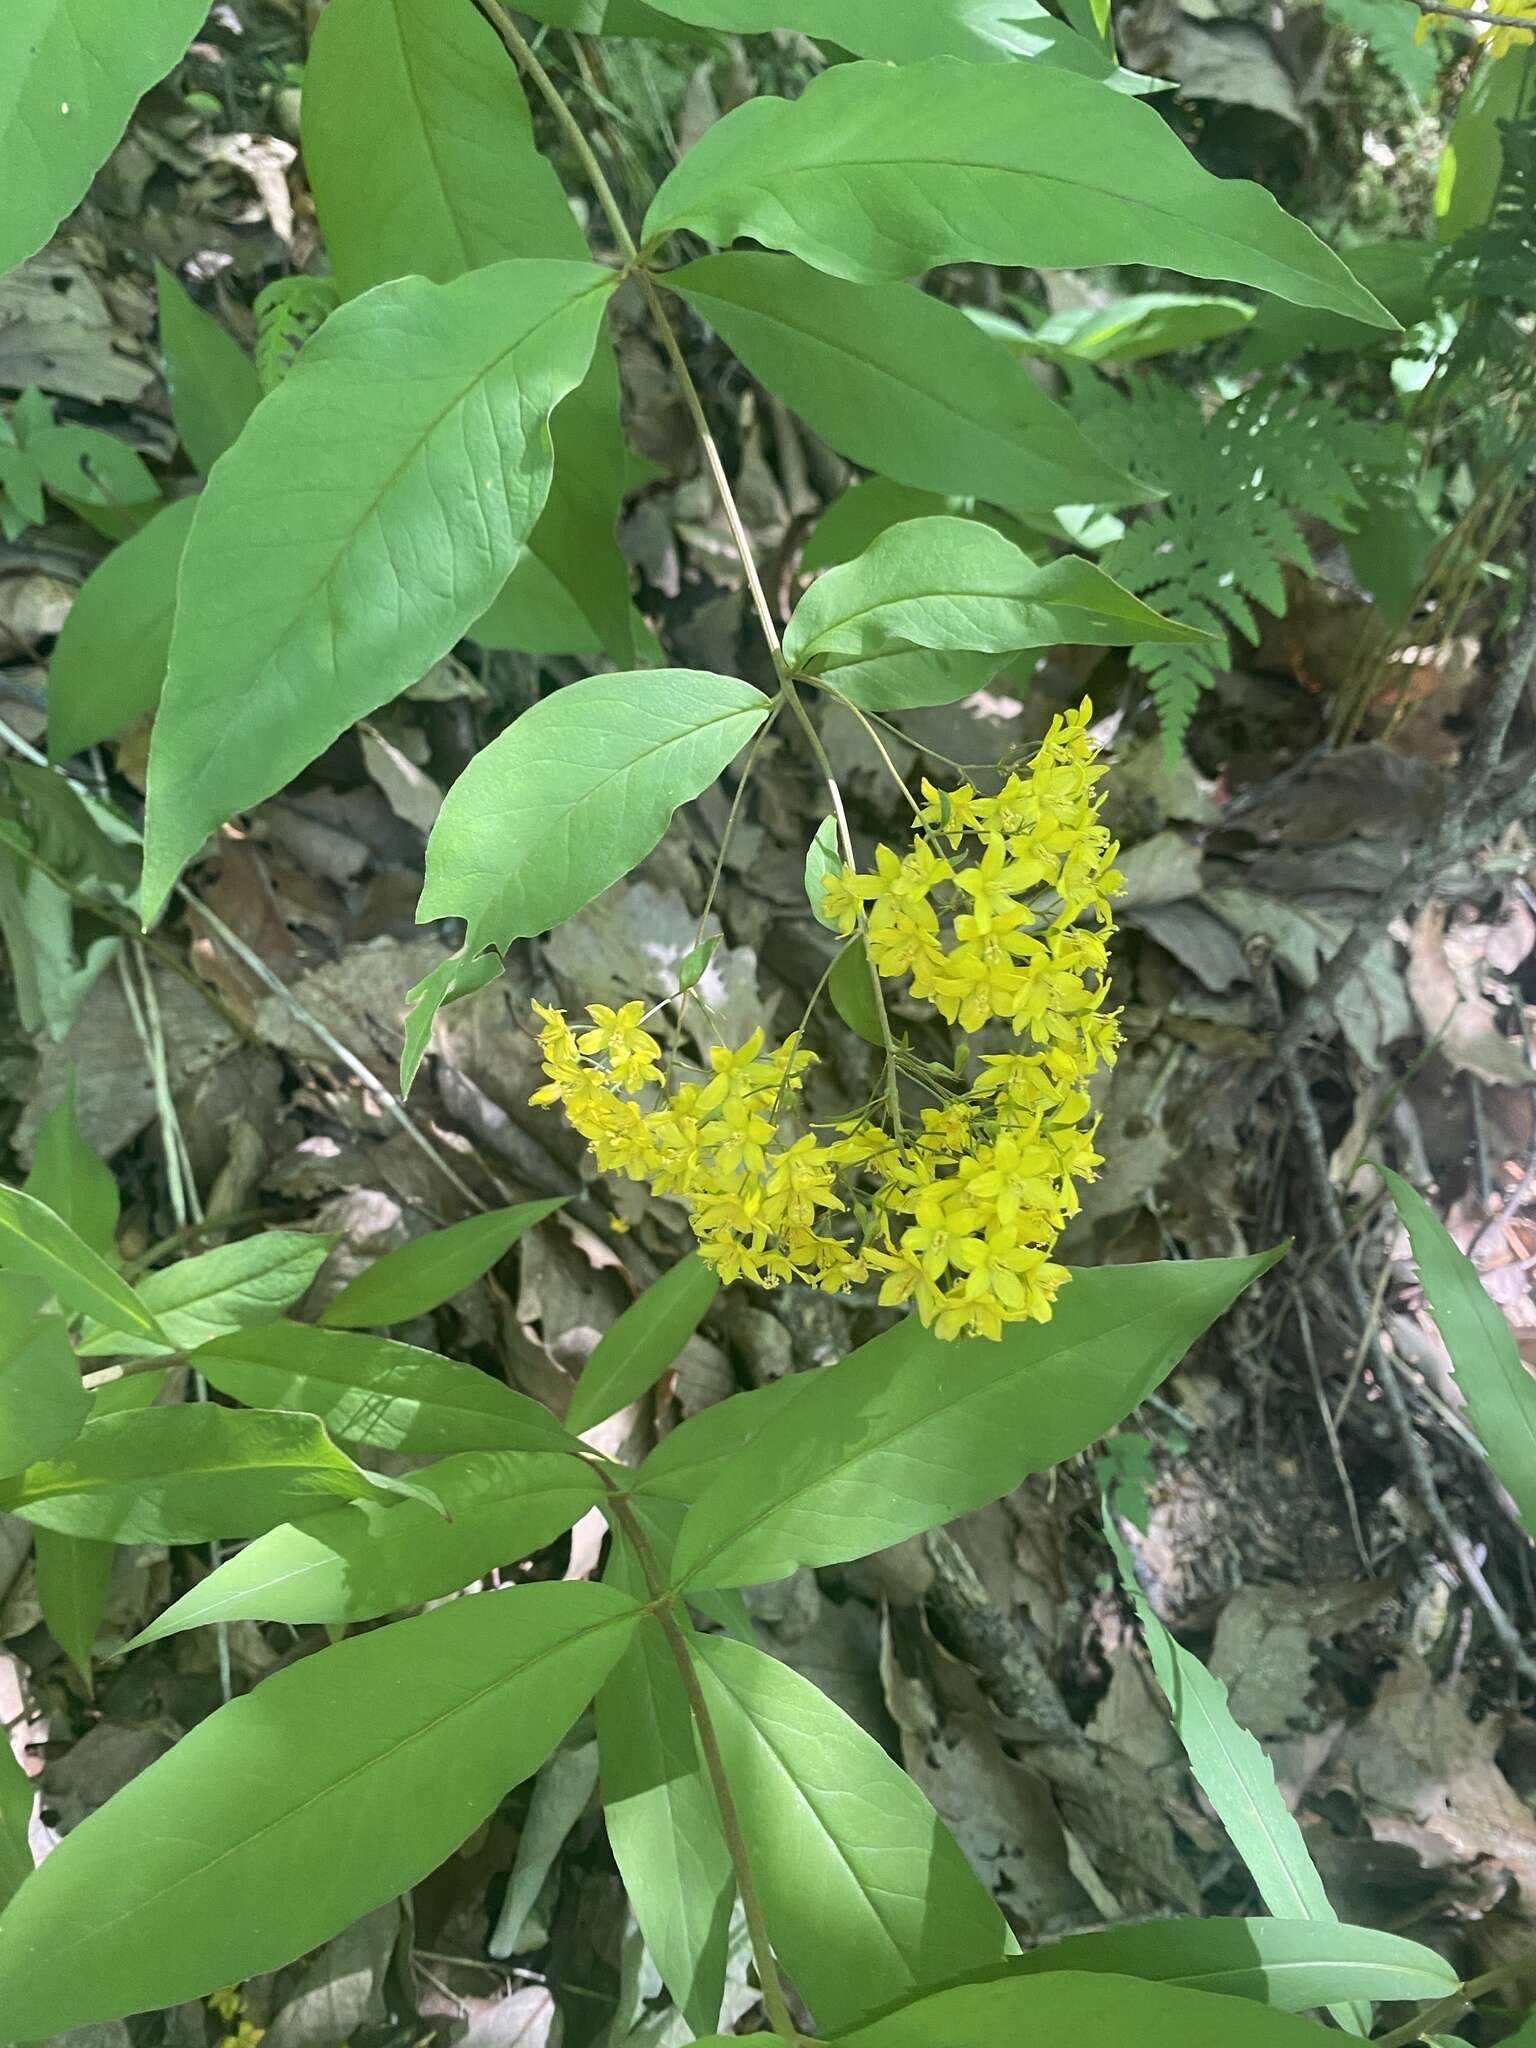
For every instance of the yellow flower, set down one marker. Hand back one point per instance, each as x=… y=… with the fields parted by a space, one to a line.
x=958 y=1212
x=842 y=900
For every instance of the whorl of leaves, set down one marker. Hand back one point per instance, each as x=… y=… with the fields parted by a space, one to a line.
x=1239 y=481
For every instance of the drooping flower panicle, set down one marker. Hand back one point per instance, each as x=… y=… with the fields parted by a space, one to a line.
x=999 y=911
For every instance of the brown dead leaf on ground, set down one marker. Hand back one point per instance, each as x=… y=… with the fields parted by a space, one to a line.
x=1427 y=1777
x=1450 y=988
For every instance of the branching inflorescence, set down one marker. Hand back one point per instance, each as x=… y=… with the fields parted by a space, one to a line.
x=998 y=912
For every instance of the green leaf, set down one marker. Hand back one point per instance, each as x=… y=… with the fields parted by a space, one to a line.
x=370 y=511
x=188 y=1473
x=900 y=382
x=289 y=313
x=1067 y=2008
x=86 y=467
x=1499 y=1391
x=689 y=1458
x=233 y=1287
x=211 y=380
x=1472 y=161
x=16 y=1798
x=823 y=857
x=572 y=796
x=1132 y=329
x=866 y=1893
x=34 y=1240
x=1236 y=1777
x=875 y=174
x=430 y=1270
x=419 y=146
x=852 y=991
x=369 y=1390
x=73 y=72
x=907 y=1432
x=1398 y=273
x=664 y=1826
x=43 y=1405
x=984 y=31
x=1294 y=1965
x=331 y=1788
x=67 y=1175
x=372 y=1558
x=73 y=1574
x=955 y=585
x=108 y=664
x=634 y=1352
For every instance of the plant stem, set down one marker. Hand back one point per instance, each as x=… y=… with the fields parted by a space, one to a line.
x=1448 y=2009
x=523 y=53
x=774 y=2001
x=1481 y=17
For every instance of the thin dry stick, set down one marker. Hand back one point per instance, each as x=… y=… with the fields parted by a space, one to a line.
x=390 y=1102
x=1315 y=1149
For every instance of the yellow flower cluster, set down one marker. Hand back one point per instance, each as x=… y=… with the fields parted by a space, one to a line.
x=959 y=1212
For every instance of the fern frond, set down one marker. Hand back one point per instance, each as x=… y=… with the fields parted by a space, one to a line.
x=1238 y=480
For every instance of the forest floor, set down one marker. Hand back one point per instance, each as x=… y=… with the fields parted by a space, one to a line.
x=1283 y=1530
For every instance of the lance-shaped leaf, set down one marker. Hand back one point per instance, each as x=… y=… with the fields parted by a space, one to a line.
x=430 y=1270
x=211 y=380
x=185 y=1474
x=953 y=587
x=982 y=31
x=34 y=1240
x=73 y=1574
x=109 y=661
x=902 y=383
x=689 y=1458
x=289 y=1813
x=572 y=796
x=421 y=153
x=43 y=1405
x=66 y=1174
x=233 y=1287
x=1131 y=329
x=876 y=173
x=908 y=1431
x=372 y=1558
x=1296 y=1965
x=1236 y=1776
x=371 y=510
x=664 y=1825
x=867 y=1894
x=370 y=1390
x=636 y=1351
x=71 y=73
x=16 y=1801
x=1065 y=2008
x=1499 y=1390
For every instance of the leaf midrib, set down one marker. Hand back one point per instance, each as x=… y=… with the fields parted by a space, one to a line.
x=1100 y=1338
x=100 y=1926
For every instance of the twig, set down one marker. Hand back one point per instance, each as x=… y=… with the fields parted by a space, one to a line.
x=1479 y=17
x=1330 y=1428
x=391 y=1104
x=1460 y=828
x=1315 y=1148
